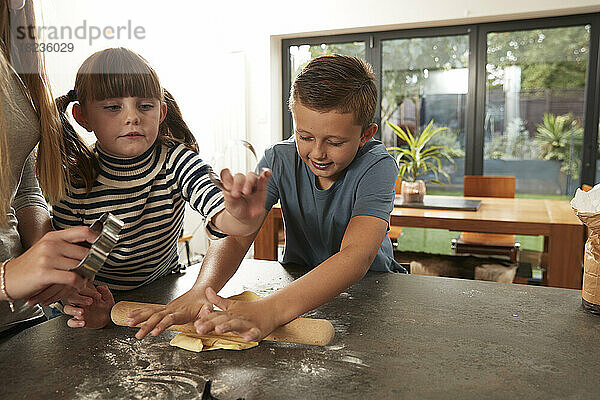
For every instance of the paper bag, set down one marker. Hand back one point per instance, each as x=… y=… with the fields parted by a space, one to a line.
x=587 y=208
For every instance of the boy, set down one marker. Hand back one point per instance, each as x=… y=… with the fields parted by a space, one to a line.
x=336 y=189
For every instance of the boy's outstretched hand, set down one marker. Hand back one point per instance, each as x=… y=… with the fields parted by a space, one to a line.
x=156 y=319
x=251 y=320
x=245 y=197
x=85 y=315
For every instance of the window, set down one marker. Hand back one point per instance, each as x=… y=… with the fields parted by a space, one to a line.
x=501 y=90
x=301 y=55
x=426 y=80
x=534 y=109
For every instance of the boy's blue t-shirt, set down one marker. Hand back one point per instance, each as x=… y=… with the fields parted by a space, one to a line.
x=315 y=220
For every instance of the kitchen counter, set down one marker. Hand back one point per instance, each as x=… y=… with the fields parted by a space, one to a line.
x=396 y=336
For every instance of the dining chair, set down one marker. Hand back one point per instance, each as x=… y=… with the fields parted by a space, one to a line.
x=185 y=238
x=488 y=243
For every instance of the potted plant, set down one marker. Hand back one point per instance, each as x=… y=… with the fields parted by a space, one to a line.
x=560 y=138
x=419 y=158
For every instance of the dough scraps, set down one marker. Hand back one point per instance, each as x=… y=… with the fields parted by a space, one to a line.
x=215 y=342
x=208 y=342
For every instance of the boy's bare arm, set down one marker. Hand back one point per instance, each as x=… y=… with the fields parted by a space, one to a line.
x=255 y=320
x=222 y=259
x=360 y=244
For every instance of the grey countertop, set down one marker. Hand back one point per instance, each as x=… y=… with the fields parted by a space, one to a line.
x=396 y=336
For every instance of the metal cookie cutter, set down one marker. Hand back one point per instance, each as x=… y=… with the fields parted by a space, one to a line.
x=107 y=227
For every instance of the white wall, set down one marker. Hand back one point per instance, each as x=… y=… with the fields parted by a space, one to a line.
x=188 y=41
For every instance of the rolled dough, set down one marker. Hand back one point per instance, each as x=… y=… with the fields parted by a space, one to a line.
x=215 y=342
x=206 y=342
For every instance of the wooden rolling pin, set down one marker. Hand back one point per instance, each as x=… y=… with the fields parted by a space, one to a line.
x=313 y=331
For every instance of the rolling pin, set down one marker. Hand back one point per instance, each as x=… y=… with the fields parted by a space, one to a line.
x=313 y=331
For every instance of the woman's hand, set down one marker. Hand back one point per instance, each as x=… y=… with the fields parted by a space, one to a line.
x=48 y=263
x=186 y=308
x=251 y=320
x=245 y=197
x=95 y=315
x=55 y=292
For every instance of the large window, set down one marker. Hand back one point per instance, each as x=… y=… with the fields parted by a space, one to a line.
x=516 y=98
x=426 y=80
x=534 y=110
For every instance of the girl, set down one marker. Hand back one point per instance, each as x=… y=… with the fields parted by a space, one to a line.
x=31 y=260
x=143 y=167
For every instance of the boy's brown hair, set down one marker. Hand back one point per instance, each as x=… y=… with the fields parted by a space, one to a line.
x=336 y=82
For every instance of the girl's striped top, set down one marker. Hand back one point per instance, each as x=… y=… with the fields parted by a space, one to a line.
x=148 y=193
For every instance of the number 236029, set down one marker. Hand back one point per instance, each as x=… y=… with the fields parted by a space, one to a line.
x=48 y=47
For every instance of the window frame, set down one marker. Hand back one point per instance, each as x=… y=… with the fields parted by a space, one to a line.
x=477 y=33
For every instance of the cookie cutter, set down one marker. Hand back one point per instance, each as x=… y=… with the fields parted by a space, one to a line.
x=108 y=228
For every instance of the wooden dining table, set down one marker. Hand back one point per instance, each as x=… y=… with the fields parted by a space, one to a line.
x=563 y=232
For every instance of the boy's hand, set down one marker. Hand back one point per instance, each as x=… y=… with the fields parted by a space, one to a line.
x=252 y=320
x=245 y=197
x=95 y=315
x=184 y=309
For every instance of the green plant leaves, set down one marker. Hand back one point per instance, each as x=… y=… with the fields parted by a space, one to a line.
x=418 y=159
x=560 y=138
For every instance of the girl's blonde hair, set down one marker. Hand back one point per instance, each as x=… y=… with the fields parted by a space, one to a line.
x=31 y=70
x=111 y=73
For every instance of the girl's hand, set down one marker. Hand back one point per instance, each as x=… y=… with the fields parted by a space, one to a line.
x=245 y=197
x=156 y=319
x=252 y=320
x=93 y=316
x=48 y=262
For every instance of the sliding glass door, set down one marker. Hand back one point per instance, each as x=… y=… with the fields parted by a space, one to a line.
x=534 y=107
x=516 y=98
x=301 y=55
x=423 y=80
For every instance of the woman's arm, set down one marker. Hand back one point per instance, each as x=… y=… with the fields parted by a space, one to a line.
x=30 y=206
x=37 y=266
x=34 y=223
x=46 y=263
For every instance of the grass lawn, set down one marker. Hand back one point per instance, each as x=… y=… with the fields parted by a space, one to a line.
x=438 y=240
